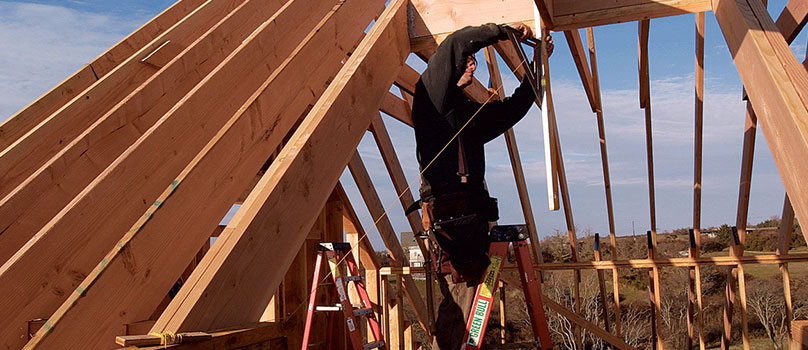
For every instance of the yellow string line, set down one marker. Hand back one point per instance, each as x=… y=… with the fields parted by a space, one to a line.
x=409 y=186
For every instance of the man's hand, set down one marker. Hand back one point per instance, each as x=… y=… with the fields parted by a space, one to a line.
x=525 y=30
x=549 y=45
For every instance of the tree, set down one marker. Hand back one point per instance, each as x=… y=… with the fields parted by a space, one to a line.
x=766 y=303
x=724 y=234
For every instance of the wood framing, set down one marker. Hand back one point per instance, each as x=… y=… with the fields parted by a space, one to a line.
x=28 y=153
x=774 y=90
x=307 y=168
x=382 y=223
x=30 y=206
x=222 y=183
x=572 y=14
x=29 y=117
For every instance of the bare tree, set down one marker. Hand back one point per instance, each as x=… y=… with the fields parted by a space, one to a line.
x=560 y=290
x=766 y=303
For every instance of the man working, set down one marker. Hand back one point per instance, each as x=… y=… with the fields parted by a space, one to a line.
x=456 y=204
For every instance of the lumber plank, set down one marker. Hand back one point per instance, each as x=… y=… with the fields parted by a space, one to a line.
x=431 y=21
x=27 y=118
x=218 y=173
x=140 y=340
x=695 y=303
x=792 y=19
x=516 y=162
x=351 y=221
x=29 y=152
x=783 y=245
x=579 y=57
x=234 y=338
x=40 y=197
x=309 y=167
x=572 y=14
x=773 y=92
x=397 y=108
x=407 y=79
x=607 y=184
x=381 y=223
x=642 y=263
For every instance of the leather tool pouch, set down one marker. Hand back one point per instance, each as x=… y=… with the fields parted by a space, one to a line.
x=459 y=222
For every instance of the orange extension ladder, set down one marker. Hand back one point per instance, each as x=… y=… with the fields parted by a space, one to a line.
x=501 y=238
x=335 y=252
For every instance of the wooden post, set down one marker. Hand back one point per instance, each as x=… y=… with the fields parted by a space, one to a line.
x=502 y=320
x=783 y=246
x=694 y=275
x=601 y=286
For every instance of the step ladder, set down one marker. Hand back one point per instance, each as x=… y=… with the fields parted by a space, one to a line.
x=335 y=252
x=501 y=238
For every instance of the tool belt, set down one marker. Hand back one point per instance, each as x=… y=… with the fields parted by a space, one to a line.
x=459 y=223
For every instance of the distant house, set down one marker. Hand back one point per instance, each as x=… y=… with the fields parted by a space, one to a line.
x=411 y=249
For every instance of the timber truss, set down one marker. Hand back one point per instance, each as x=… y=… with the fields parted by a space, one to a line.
x=114 y=181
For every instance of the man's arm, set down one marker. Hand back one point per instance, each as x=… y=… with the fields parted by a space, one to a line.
x=497 y=116
x=449 y=60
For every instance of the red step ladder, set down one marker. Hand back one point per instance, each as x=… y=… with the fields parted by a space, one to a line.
x=501 y=238
x=335 y=252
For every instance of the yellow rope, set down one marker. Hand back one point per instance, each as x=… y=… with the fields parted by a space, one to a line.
x=167 y=338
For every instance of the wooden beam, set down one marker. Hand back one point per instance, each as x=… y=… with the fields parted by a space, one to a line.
x=26 y=119
x=572 y=14
x=237 y=337
x=30 y=152
x=783 y=245
x=792 y=19
x=579 y=56
x=29 y=207
x=141 y=340
x=516 y=162
x=311 y=165
x=604 y=315
x=607 y=184
x=430 y=22
x=407 y=79
x=397 y=108
x=695 y=303
x=382 y=223
x=209 y=178
x=774 y=91
x=642 y=263
x=367 y=254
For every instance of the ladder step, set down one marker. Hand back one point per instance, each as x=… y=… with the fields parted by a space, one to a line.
x=373 y=345
x=337 y=307
x=362 y=312
x=512 y=346
x=353 y=278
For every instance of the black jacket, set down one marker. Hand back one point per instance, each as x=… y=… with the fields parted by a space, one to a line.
x=440 y=109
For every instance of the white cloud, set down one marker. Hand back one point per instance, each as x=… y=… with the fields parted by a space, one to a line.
x=44 y=44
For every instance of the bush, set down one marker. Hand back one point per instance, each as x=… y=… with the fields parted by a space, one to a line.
x=712 y=245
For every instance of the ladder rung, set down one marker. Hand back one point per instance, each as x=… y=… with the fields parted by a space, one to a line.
x=353 y=278
x=511 y=346
x=373 y=345
x=362 y=312
x=337 y=307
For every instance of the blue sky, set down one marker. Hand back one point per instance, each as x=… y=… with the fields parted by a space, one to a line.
x=46 y=41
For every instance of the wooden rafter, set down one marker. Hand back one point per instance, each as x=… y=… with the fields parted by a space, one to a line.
x=312 y=161
x=590 y=34
x=46 y=191
x=572 y=14
x=695 y=303
x=28 y=153
x=29 y=117
x=382 y=223
x=200 y=181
